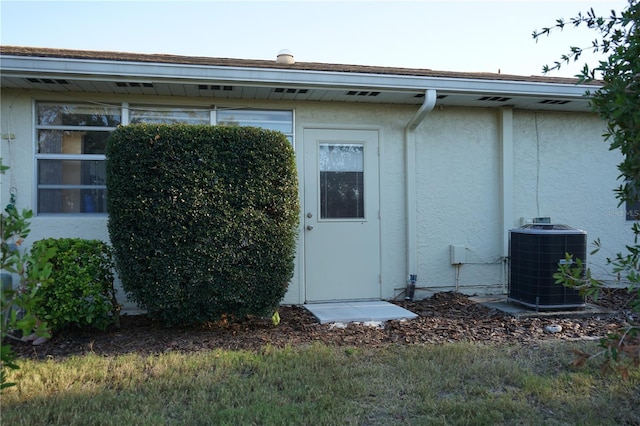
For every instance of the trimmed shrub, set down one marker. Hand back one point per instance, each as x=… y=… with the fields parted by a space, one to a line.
x=80 y=290
x=203 y=219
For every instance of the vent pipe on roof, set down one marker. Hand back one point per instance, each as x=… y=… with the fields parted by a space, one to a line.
x=285 y=57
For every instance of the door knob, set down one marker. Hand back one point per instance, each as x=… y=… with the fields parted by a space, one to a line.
x=309 y=227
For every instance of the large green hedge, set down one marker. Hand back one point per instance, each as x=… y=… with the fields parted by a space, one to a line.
x=202 y=219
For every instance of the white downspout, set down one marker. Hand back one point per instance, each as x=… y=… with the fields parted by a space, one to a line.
x=410 y=188
x=505 y=130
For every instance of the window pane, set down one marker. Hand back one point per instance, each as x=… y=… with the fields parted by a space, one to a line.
x=341 y=157
x=59 y=200
x=71 y=172
x=77 y=115
x=71 y=142
x=165 y=115
x=342 y=181
x=273 y=120
x=71 y=186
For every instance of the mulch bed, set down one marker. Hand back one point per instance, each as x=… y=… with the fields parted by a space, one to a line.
x=444 y=317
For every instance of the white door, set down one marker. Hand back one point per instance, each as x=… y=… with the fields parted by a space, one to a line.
x=341 y=215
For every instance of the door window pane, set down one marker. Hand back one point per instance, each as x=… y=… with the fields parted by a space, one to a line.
x=341 y=181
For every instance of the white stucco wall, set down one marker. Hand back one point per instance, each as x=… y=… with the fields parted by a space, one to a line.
x=565 y=170
x=458 y=200
x=562 y=169
x=16 y=119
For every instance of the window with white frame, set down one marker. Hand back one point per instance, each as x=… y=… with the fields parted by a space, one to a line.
x=280 y=120
x=71 y=141
x=70 y=158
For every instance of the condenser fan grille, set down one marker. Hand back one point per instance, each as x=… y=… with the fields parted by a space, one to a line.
x=534 y=254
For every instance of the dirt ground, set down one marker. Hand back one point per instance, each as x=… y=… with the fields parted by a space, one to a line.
x=444 y=317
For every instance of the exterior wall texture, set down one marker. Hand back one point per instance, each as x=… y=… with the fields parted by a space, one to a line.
x=562 y=169
x=459 y=200
x=565 y=170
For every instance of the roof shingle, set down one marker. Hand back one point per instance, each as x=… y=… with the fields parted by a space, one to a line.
x=92 y=55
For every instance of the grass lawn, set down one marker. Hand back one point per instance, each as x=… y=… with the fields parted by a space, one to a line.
x=458 y=383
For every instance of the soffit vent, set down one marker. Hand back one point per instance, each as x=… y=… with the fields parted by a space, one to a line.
x=215 y=87
x=421 y=95
x=493 y=99
x=361 y=93
x=291 y=91
x=554 y=102
x=47 y=81
x=125 y=84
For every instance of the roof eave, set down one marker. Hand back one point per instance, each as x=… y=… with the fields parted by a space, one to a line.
x=111 y=70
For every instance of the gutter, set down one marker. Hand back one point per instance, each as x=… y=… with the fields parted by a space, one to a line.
x=110 y=70
x=410 y=189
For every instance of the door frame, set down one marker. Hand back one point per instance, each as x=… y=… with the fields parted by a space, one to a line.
x=301 y=146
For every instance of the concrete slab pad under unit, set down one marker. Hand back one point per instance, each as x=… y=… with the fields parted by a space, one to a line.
x=518 y=311
x=357 y=311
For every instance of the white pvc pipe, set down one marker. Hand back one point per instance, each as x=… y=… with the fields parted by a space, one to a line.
x=410 y=183
x=505 y=131
x=505 y=121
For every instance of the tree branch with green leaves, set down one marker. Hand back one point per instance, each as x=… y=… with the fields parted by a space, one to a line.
x=617 y=100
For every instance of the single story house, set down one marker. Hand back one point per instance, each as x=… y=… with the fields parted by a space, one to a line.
x=441 y=164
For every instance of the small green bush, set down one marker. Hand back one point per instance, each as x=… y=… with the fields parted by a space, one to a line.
x=202 y=219
x=80 y=291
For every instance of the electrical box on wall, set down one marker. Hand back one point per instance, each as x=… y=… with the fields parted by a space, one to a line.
x=457 y=254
